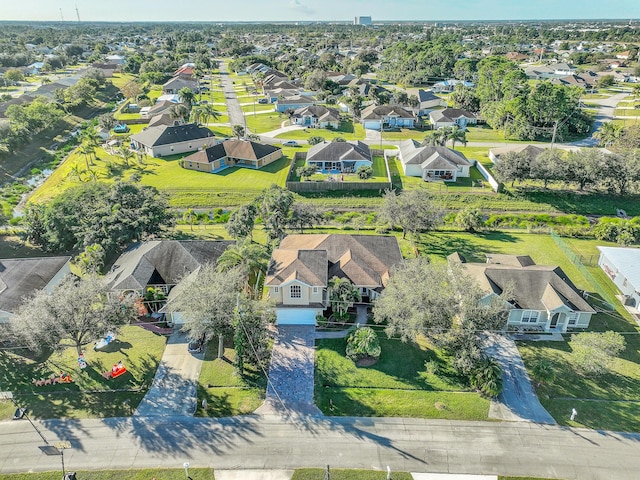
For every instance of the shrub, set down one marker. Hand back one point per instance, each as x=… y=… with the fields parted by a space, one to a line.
x=487 y=378
x=363 y=342
x=594 y=352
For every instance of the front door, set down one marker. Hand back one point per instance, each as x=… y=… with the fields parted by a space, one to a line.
x=554 y=320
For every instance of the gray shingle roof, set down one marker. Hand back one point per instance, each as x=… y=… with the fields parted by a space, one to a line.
x=449 y=115
x=376 y=112
x=430 y=157
x=167 y=135
x=162 y=261
x=320 y=112
x=21 y=277
x=535 y=287
x=339 y=151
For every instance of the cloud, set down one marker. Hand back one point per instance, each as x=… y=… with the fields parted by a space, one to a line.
x=300 y=7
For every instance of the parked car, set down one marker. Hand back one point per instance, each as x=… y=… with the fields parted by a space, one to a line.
x=121 y=128
x=290 y=143
x=197 y=346
x=263 y=100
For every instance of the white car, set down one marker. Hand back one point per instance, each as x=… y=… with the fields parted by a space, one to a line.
x=290 y=143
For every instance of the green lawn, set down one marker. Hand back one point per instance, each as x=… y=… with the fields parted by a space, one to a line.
x=186 y=188
x=627 y=112
x=249 y=109
x=143 y=474
x=392 y=387
x=139 y=350
x=226 y=392
x=405 y=134
x=474 y=183
x=266 y=122
x=119 y=80
x=348 y=130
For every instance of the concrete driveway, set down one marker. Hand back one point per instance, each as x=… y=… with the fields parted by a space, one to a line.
x=173 y=391
x=518 y=401
x=291 y=379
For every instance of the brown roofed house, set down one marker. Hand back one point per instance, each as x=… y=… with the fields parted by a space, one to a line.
x=300 y=270
x=230 y=153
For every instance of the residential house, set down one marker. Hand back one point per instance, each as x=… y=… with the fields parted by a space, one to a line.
x=516 y=57
x=158 y=108
x=563 y=69
x=117 y=59
x=186 y=71
x=34 y=69
x=622 y=266
x=532 y=150
x=450 y=117
x=166 y=140
x=230 y=153
x=162 y=264
x=432 y=162
x=293 y=103
x=107 y=69
x=450 y=85
x=428 y=101
x=272 y=96
x=316 y=116
x=301 y=268
x=340 y=157
x=173 y=86
x=22 y=277
x=164 y=119
x=378 y=117
x=544 y=298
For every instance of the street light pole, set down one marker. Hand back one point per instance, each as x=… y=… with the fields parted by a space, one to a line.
x=186 y=469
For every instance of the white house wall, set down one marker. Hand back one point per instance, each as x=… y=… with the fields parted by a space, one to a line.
x=182 y=147
x=625 y=287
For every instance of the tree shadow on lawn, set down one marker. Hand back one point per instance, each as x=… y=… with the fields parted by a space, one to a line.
x=443 y=245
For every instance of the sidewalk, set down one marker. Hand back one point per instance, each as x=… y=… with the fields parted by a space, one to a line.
x=287 y=474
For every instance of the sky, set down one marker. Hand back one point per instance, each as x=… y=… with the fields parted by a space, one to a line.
x=305 y=10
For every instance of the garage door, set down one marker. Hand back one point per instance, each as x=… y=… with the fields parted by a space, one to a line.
x=296 y=316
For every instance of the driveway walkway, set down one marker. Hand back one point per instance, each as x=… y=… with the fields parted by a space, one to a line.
x=290 y=388
x=361 y=320
x=173 y=391
x=233 y=106
x=518 y=401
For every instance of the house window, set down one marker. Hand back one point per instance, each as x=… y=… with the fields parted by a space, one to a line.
x=530 y=316
x=276 y=289
x=295 y=291
x=572 y=319
x=315 y=289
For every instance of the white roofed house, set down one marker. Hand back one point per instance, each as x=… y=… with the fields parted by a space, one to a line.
x=622 y=266
x=340 y=157
x=316 y=116
x=432 y=162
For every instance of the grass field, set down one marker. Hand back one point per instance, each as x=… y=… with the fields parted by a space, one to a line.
x=265 y=122
x=90 y=395
x=226 y=392
x=391 y=387
x=405 y=134
x=143 y=474
x=249 y=109
x=379 y=173
x=348 y=130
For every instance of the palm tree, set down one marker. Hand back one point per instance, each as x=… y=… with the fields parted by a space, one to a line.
x=342 y=295
x=186 y=96
x=210 y=112
x=251 y=258
x=190 y=216
x=87 y=150
x=178 y=112
x=126 y=153
x=457 y=134
x=197 y=115
x=433 y=138
x=238 y=131
x=608 y=133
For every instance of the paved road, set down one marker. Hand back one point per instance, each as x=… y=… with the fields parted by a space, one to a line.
x=518 y=401
x=234 y=111
x=605 y=113
x=174 y=387
x=253 y=442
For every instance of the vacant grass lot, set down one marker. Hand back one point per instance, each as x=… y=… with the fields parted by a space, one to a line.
x=405 y=134
x=348 y=130
x=266 y=122
x=186 y=188
x=226 y=392
x=258 y=107
x=392 y=387
x=90 y=395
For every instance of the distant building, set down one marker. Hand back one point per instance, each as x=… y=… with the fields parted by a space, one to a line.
x=362 y=21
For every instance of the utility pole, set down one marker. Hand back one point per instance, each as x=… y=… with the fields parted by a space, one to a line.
x=78 y=13
x=61 y=16
x=553 y=137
